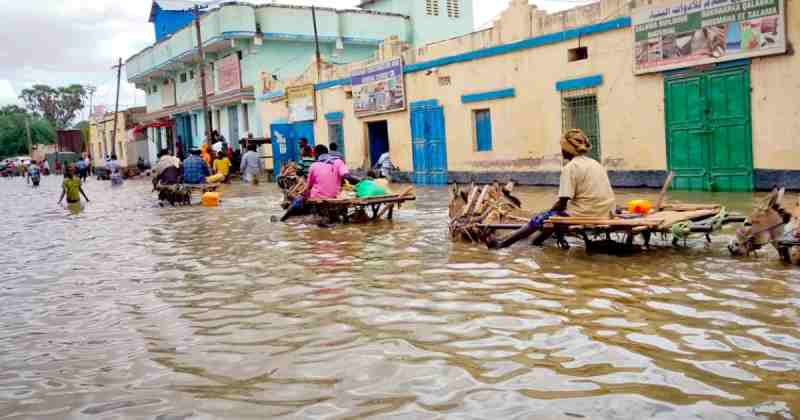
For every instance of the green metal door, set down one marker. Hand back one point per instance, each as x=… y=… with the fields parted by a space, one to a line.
x=709 y=144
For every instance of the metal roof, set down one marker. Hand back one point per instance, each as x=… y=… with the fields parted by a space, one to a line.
x=172 y=5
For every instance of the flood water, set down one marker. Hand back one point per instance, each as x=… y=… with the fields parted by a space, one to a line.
x=127 y=310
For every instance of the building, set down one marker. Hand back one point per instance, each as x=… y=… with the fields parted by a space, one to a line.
x=247 y=46
x=654 y=96
x=102 y=138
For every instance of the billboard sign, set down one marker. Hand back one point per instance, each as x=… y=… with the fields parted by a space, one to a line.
x=697 y=32
x=379 y=89
x=302 y=103
x=229 y=74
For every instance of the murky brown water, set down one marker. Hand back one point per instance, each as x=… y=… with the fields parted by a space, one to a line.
x=126 y=310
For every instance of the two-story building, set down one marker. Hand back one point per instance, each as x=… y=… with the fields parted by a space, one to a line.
x=246 y=45
x=103 y=141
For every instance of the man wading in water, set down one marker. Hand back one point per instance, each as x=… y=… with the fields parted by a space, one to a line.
x=584 y=191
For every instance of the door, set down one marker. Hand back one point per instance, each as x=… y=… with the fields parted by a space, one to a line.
x=233 y=126
x=709 y=136
x=285 y=142
x=336 y=135
x=429 y=145
x=378 y=140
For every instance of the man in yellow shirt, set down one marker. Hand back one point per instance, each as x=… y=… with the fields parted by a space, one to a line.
x=222 y=165
x=584 y=191
x=72 y=187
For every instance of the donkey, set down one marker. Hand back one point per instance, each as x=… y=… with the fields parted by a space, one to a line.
x=767 y=225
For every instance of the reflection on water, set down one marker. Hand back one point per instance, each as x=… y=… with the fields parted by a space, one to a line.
x=127 y=310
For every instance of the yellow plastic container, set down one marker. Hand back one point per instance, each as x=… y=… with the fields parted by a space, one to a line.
x=210 y=199
x=639 y=206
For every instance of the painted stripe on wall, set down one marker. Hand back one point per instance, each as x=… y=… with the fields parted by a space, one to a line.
x=488 y=96
x=618 y=23
x=580 y=83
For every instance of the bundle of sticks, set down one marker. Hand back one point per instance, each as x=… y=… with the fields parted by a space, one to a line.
x=473 y=208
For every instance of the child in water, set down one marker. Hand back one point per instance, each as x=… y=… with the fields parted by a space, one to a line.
x=72 y=187
x=34 y=176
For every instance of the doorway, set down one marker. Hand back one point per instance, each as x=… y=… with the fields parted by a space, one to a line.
x=233 y=127
x=378 y=132
x=709 y=134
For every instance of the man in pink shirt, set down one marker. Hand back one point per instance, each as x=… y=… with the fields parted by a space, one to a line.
x=325 y=175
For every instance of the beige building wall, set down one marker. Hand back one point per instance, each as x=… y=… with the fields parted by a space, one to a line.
x=526 y=128
x=775 y=98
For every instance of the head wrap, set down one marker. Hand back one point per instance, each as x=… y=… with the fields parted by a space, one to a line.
x=575 y=142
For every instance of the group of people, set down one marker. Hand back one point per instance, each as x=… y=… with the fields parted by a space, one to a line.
x=201 y=166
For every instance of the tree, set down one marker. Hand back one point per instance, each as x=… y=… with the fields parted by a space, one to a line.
x=14 y=139
x=59 y=106
x=12 y=110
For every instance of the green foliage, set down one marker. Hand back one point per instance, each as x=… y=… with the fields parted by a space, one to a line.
x=13 y=139
x=57 y=105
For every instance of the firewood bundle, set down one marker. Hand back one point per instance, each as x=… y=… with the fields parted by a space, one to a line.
x=474 y=209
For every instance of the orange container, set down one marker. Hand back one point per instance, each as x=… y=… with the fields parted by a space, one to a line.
x=639 y=206
x=210 y=199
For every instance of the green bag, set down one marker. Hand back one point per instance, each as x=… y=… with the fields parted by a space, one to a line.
x=367 y=189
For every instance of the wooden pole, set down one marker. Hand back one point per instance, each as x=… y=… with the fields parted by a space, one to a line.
x=316 y=42
x=116 y=109
x=203 y=92
x=663 y=193
x=28 y=131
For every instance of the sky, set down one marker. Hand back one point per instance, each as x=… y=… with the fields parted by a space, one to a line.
x=61 y=42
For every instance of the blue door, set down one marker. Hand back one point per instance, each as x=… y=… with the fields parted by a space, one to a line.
x=285 y=139
x=183 y=127
x=429 y=143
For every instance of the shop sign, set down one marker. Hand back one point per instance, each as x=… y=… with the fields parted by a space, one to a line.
x=379 y=89
x=697 y=32
x=302 y=103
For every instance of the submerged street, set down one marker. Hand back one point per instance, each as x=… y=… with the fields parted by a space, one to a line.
x=128 y=310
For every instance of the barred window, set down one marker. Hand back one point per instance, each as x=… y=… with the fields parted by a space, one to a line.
x=453 y=9
x=432 y=7
x=579 y=110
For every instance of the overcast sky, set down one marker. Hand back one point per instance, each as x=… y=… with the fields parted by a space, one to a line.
x=59 y=42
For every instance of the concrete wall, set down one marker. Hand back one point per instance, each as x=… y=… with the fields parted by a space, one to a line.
x=526 y=128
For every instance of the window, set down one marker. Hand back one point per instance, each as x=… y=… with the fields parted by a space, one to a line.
x=191 y=74
x=183 y=77
x=483 y=130
x=579 y=110
x=578 y=54
x=453 y=9
x=336 y=134
x=432 y=7
x=154 y=89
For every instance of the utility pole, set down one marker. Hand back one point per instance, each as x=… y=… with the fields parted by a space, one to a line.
x=28 y=131
x=116 y=109
x=316 y=42
x=206 y=116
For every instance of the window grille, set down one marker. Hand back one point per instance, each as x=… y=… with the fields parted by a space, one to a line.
x=579 y=110
x=432 y=7
x=453 y=9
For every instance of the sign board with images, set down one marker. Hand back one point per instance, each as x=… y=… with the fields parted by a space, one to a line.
x=697 y=32
x=379 y=89
x=302 y=103
x=229 y=74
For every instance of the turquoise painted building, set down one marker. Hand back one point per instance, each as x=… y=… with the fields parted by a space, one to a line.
x=244 y=43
